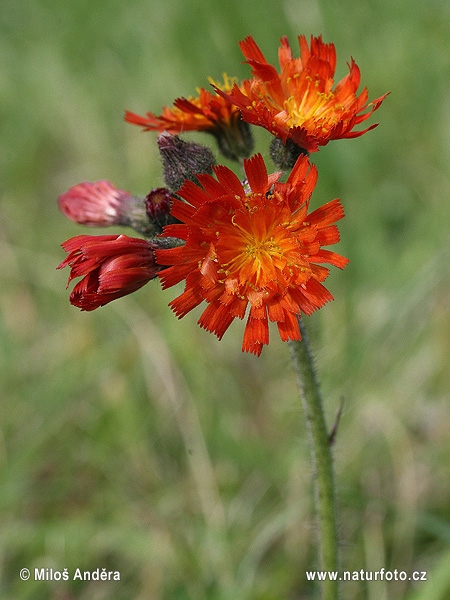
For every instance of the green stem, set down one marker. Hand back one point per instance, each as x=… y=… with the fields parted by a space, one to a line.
x=325 y=495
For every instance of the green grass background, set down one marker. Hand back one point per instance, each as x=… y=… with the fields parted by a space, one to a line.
x=136 y=442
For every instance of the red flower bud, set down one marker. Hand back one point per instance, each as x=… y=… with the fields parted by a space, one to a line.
x=157 y=204
x=111 y=266
x=95 y=204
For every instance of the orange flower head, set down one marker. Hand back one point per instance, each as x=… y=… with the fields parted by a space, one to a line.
x=299 y=103
x=207 y=112
x=251 y=243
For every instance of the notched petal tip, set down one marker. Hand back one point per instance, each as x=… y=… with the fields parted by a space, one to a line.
x=256 y=172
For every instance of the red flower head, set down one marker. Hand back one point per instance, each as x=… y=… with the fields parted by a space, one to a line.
x=112 y=266
x=299 y=103
x=207 y=112
x=95 y=204
x=251 y=243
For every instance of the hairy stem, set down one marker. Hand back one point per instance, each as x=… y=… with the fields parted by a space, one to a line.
x=325 y=494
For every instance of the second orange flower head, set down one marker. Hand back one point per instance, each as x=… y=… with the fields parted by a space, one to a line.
x=299 y=103
x=208 y=112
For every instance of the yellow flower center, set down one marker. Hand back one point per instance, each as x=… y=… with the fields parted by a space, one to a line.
x=255 y=248
x=259 y=248
x=313 y=105
x=262 y=257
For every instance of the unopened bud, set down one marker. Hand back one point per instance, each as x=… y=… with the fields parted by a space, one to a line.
x=101 y=204
x=112 y=266
x=182 y=160
x=96 y=204
x=157 y=204
x=285 y=155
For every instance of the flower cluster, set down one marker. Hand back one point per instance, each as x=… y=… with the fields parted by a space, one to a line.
x=247 y=248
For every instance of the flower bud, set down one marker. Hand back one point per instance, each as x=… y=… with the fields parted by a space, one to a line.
x=285 y=155
x=157 y=204
x=96 y=204
x=100 y=204
x=183 y=160
x=112 y=266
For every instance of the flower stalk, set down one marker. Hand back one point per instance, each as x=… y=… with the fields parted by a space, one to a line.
x=320 y=447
